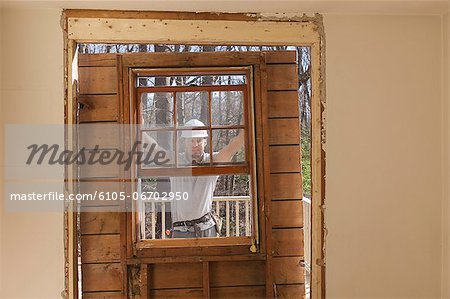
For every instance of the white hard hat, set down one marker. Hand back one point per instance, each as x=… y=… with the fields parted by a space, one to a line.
x=194 y=133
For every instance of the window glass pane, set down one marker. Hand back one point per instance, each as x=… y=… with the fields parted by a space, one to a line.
x=232 y=201
x=155 y=217
x=168 y=201
x=191 y=80
x=192 y=109
x=227 y=107
x=193 y=148
x=221 y=138
x=157 y=109
x=157 y=148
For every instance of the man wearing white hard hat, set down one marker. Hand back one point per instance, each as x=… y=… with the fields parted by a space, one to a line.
x=193 y=218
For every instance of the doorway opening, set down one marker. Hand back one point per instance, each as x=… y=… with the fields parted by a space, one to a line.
x=154 y=221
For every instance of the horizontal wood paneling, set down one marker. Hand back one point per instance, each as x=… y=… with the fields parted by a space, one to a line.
x=105 y=59
x=177 y=294
x=287 y=213
x=285 y=158
x=100 y=248
x=105 y=135
x=246 y=292
x=288 y=270
x=109 y=170
x=175 y=275
x=99 y=226
x=283 y=104
x=288 y=242
x=101 y=277
x=282 y=77
x=191 y=59
x=284 y=131
x=286 y=186
x=281 y=57
x=97 y=80
x=99 y=108
x=291 y=291
x=103 y=295
x=101 y=187
x=286 y=210
x=236 y=273
x=97 y=221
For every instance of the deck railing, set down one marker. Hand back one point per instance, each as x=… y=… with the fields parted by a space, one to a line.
x=241 y=206
x=235 y=212
x=307 y=231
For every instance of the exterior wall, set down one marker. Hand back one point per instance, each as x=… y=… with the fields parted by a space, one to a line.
x=384 y=143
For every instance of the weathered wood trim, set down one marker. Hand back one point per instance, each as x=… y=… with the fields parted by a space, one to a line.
x=70 y=213
x=191 y=32
x=318 y=171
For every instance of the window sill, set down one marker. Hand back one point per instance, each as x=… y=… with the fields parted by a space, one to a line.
x=199 y=248
x=197 y=242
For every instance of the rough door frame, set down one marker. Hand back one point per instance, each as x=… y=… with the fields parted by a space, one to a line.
x=203 y=28
x=133 y=64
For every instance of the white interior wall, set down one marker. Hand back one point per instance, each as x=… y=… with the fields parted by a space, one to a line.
x=383 y=192
x=32 y=257
x=1 y=155
x=384 y=161
x=446 y=162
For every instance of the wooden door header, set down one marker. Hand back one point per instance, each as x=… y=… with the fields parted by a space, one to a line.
x=188 y=28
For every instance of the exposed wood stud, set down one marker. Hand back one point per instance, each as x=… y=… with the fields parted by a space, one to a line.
x=206 y=287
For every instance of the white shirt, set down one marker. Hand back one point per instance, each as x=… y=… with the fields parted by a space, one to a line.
x=200 y=190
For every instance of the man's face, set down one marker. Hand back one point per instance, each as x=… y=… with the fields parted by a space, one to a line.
x=195 y=147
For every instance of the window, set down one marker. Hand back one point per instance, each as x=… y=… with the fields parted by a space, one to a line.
x=194 y=116
x=196 y=130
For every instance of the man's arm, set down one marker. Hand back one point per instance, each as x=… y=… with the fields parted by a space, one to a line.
x=227 y=153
